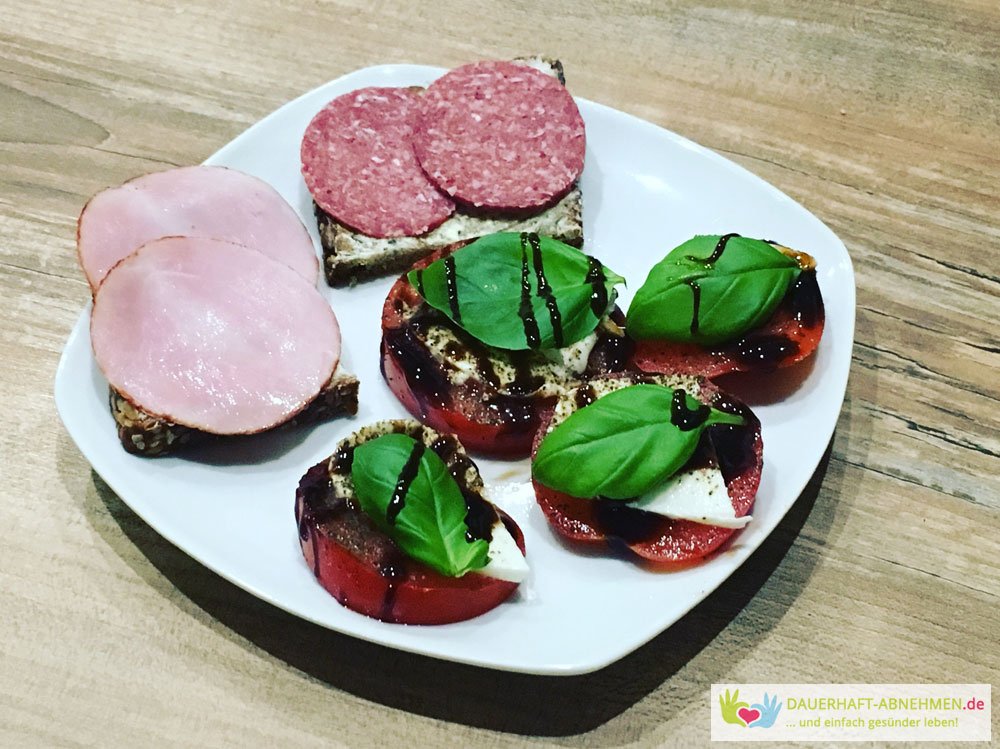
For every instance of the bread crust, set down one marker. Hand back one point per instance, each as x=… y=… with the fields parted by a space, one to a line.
x=149 y=436
x=350 y=257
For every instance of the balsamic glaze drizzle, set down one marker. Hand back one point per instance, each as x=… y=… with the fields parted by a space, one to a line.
x=451 y=283
x=344 y=458
x=696 y=304
x=525 y=311
x=406 y=477
x=720 y=247
x=480 y=515
x=544 y=289
x=598 y=284
x=685 y=418
x=584 y=396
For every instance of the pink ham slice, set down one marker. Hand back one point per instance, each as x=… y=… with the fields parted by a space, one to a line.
x=213 y=335
x=500 y=135
x=359 y=165
x=200 y=201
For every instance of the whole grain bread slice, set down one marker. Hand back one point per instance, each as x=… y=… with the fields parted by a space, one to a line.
x=143 y=434
x=349 y=256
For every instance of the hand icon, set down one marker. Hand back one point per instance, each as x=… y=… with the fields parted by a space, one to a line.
x=730 y=707
x=768 y=712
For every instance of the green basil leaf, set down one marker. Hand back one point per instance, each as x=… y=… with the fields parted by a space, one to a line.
x=409 y=493
x=520 y=291
x=625 y=443
x=711 y=289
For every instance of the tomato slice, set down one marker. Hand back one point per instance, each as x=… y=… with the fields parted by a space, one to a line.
x=366 y=572
x=485 y=420
x=790 y=336
x=660 y=541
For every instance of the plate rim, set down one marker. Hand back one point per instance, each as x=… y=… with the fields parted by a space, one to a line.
x=840 y=375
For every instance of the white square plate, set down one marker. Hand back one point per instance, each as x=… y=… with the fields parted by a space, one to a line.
x=645 y=191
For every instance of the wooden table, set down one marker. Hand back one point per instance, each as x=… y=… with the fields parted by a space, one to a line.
x=881 y=118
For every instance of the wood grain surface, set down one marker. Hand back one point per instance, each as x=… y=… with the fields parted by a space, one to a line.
x=883 y=118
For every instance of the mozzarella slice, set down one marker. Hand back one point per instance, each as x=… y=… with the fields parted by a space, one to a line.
x=572 y=359
x=699 y=495
x=504 y=560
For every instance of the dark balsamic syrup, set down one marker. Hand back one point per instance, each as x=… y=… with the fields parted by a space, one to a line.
x=524 y=310
x=451 y=284
x=480 y=515
x=343 y=459
x=393 y=570
x=734 y=443
x=720 y=247
x=598 y=285
x=709 y=261
x=685 y=418
x=420 y=284
x=806 y=300
x=406 y=477
x=695 y=304
x=424 y=375
x=584 y=396
x=766 y=349
x=544 y=289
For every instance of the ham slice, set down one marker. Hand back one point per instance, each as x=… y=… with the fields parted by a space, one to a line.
x=212 y=335
x=200 y=201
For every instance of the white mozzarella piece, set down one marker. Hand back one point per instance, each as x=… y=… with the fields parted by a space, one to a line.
x=573 y=359
x=553 y=366
x=699 y=495
x=505 y=561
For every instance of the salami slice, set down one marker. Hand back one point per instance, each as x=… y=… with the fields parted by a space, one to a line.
x=213 y=335
x=201 y=201
x=359 y=165
x=500 y=135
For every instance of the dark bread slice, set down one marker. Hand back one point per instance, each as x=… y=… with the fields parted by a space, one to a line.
x=143 y=434
x=349 y=256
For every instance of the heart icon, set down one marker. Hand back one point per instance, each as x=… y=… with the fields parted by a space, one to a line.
x=748 y=715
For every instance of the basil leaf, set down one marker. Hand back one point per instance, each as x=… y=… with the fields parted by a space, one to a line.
x=409 y=493
x=520 y=291
x=711 y=289
x=625 y=443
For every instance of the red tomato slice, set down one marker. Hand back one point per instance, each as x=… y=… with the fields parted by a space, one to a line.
x=662 y=541
x=364 y=570
x=486 y=421
x=790 y=336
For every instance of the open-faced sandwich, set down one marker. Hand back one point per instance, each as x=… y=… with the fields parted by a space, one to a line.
x=720 y=304
x=206 y=317
x=395 y=525
x=399 y=173
x=662 y=467
x=480 y=340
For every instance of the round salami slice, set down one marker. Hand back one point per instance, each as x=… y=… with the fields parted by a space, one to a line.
x=212 y=335
x=199 y=201
x=500 y=135
x=359 y=165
